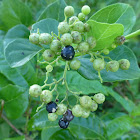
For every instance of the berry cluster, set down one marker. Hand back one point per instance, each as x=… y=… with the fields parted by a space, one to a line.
x=70 y=42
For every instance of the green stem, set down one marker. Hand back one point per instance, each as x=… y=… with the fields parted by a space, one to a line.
x=134 y=34
x=40 y=107
x=99 y=75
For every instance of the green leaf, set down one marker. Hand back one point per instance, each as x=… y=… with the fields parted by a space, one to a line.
x=117 y=127
x=87 y=71
x=20 y=51
x=104 y=33
x=16 y=138
x=55 y=10
x=4 y=131
x=16 y=100
x=46 y=26
x=17 y=32
x=136 y=111
x=13 y=12
x=117 y=13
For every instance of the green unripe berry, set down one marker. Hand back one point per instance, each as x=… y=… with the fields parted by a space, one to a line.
x=77 y=111
x=98 y=64
x=85 y=101
x=99 y=98
x=85 y=9
x=73 y=19
x=63 y=27
x=52 y=116
x=106 y=51
x=34 y=38
x=61 y=109
x=66 y=39
x=85 y=113
x=45 y=38
x=49 y=68
x=81 y=16
x=124 y=64
x=92 y=42
x=78 y=26
x=92 y=59
x=35 y=90
x=77 y=38
x=83 y=47
x=114 y=46
x=69 y=11
x=75 y=64
x=112 y=66
x=86 y=27
x=46 y=96
x=93 y=106
x=48 y=55
x=55 y=45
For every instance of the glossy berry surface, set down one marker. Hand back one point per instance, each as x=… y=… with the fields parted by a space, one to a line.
x=68 y=53
x=35 y=90
x=75 y=64
x=51 y=107
x=52 y=116
x=63 y=124
x=69 y=11
x=61 y=109
x=112 y=66
x=34 y=38
x=98 y=64
x=48 y=55
x=99 y=98
x=68 y=116
x=77 y=110
x=86 y=9
x=85 y=101
x=124 y=64
x=81 y=16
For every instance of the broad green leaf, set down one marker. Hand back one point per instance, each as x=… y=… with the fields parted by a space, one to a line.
x=104 y=33
x=13 y=12
x=55 y=10
x=117 y=13
x=2 y=34
x=117 y=127
x=136 y=111
x=20 y=51
x=46 y=26
x=87 y=71
x=16 y=138
x=16 y=100
x=4 y=130
x=17 y=32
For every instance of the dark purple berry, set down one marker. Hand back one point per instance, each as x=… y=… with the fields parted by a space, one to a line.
x=68 y=116
x=68 y=53
x=51 y=107
x=63 y=124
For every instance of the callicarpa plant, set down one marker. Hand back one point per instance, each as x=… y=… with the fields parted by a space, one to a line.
x=76 y=38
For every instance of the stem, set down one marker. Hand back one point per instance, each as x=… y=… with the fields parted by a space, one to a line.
x=134 y=34
x=99 y=75
x=2 y=106
x=40 y=107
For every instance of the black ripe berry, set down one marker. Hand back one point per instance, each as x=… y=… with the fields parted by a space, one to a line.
x=63 y=124
x=51 y=107
x=68 y=116
x=68 y=52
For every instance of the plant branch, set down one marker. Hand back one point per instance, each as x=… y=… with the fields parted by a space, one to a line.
x=134 y=34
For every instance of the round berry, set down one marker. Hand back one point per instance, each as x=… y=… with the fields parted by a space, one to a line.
x=98 y=64
x=85 y=113
x=78 y=26
x=106 y=51
x=124 y=64
x=75 y=64
x=99 y=98
x=85 y=101
x=45 y=38
x=35 y=90
x=66 y=39
x=68 y=53
x=34 y=38
x=55 y=45
x=93 y=106
x=81 y=16
x=69 y=11
x=51 y=107
x=114 y=46
x=77 y=38
x=61 y=109
x=46 y=96
x=52 y=116
x=85 y=9
x=77 y=110
x=68 y=116
x=83 y=47
x=63 y=27
x=49 y=68
x=92 y=42
x=112 y=66
x=86 y=27
x=48 y=55
x=73 y=19
x=63 y=124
